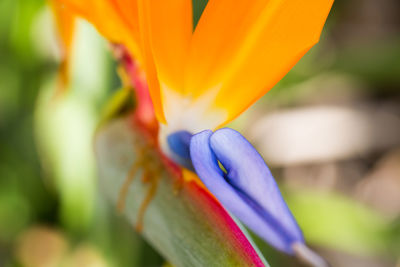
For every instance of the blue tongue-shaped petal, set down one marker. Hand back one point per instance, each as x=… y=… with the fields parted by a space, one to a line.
x=247 y=190
x=249 y=173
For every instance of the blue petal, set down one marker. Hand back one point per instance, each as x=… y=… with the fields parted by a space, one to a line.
x=249 y=173
x=179 y=143
x=248 y=189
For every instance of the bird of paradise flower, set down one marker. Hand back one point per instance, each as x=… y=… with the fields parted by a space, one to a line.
x=198 y=78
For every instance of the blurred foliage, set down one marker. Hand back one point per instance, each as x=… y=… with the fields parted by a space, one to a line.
x=31 y=192
x=24 y=196
x=43 y=183
x=336 y=221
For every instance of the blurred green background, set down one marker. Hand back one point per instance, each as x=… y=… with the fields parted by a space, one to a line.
x=339 y=165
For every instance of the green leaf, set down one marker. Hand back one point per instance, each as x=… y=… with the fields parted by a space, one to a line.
x=335 y=221
x=184 y=223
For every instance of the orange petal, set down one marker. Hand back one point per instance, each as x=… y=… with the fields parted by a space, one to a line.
x=166 y=29
x=106 y=17
x=243 y=48
x=128 y=9
x=170 y=32
x=121 y=22
x=65 y=22
x=148 y=63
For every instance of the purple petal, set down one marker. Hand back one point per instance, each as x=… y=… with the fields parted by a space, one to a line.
x=247 y=189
